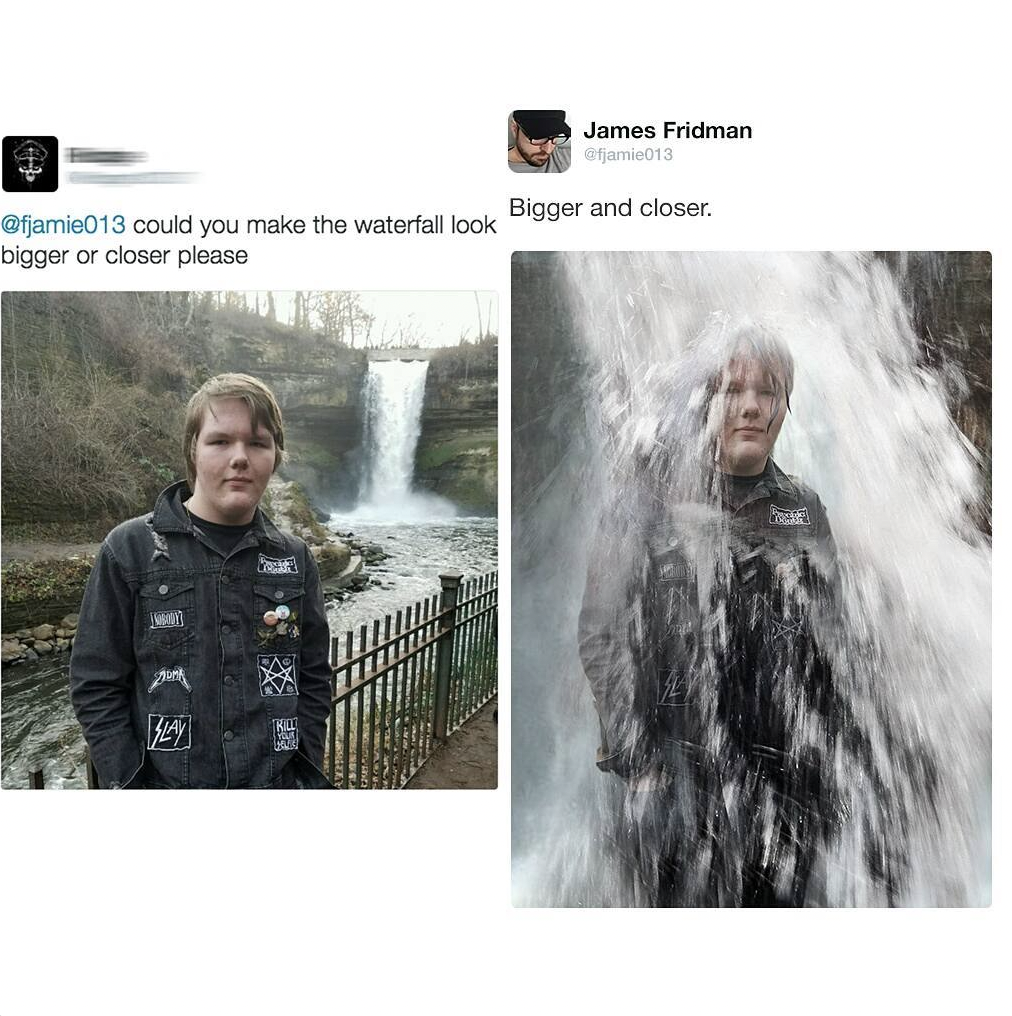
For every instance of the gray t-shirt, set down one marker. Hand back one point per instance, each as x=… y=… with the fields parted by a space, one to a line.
x=558 y=162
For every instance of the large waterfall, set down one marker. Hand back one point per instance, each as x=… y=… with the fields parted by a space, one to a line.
x=608 y=392
x=394 y=399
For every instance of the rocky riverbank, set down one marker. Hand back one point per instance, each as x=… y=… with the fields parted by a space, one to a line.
x=27 y=645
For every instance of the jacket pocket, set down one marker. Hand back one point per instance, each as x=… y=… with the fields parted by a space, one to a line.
x=166 y=613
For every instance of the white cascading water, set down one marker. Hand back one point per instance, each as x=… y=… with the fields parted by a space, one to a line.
x=394 y=398
x=871 y=432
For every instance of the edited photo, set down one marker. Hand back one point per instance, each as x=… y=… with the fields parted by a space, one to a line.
x=751 y=579
x=249 y=540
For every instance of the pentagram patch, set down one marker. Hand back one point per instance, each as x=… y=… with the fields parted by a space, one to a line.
x=277 y=675
x=286 y=733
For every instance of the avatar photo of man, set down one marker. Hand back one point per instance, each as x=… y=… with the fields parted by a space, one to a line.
x=751 y=579
x=539 y=141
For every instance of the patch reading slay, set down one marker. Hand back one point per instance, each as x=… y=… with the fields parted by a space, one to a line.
x=277 y=675
x=792 y=517
x=286 y=733
x=277 y=565
x=168 y=733
x=166 y=619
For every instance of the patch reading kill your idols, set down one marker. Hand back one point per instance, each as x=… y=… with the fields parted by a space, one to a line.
x=286 y=732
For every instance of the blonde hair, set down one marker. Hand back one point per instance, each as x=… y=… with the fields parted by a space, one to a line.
x=263 y=408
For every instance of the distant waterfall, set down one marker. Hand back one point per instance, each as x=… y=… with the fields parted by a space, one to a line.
x=394 y=394
x=394 y=397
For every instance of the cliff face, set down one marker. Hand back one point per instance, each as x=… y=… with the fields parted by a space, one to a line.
x=321 y=395
x=458 y=449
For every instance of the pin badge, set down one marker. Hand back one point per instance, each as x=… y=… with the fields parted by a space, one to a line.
x=270 y=618
x=283 y=612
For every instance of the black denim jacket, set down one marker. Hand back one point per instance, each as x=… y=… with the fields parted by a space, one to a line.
x=175 y=677
x=642 y=626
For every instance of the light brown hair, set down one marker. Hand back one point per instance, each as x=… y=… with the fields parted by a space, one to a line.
x=263 y=409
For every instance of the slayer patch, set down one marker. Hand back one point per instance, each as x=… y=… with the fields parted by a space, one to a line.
x=168 y=733
x=789 y=517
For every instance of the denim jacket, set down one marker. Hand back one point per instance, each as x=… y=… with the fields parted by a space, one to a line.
x=176 y=678
x=643 y=628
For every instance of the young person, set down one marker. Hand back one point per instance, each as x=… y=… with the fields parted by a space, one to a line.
x=698 y=635
x=201 y=658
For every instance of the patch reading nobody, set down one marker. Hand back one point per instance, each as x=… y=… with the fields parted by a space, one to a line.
x=789 y=516
x=168 y=733
x=286 y=732
x=277 y=675
x=166 y=619
x=277 y=565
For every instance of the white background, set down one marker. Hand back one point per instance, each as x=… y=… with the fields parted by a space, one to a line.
x=877 y=126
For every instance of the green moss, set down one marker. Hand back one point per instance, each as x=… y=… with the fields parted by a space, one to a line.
x=300 y=511
x=25 y=581
x=433 y=456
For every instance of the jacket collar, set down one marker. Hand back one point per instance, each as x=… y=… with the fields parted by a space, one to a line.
x=772 y=478
x=170 y=516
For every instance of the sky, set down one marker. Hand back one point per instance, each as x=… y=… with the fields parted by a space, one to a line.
x=433 y=318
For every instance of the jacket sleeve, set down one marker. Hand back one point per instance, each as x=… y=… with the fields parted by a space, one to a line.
x=102 y=673
x=314 y=687
x=611 y=634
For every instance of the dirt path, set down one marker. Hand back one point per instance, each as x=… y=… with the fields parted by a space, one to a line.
x=45 y=551
x=468 y=761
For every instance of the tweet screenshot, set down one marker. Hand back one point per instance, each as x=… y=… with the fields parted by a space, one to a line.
x=589 y=425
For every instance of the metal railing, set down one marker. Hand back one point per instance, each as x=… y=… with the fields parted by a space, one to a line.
x=402 y=688
x=405 y=686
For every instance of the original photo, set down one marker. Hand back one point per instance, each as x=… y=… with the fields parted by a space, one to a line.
x=249 y=540
x=751 y=579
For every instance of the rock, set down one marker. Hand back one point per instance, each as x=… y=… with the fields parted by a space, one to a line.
x=31 y=655
x=62 y=645
x=44 y=631
x=23 y=633
x=70 y=621
x=42 y=647
x=11 y=650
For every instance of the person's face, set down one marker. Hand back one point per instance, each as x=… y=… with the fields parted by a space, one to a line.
x=533 y=154
x=753 y=407
x=232 y=464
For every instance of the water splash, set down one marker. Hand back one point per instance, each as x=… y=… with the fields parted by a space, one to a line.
x=613 y=419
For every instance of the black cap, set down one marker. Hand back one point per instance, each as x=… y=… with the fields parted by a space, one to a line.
x=542 y=123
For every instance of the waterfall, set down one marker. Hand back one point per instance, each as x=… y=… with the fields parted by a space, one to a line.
x=394 y=398
x=610 y=394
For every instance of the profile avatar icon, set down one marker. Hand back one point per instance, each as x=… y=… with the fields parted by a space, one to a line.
x=539 y=141
x=30 y=163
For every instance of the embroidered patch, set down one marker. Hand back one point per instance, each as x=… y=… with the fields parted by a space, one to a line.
x=168 y=733
x=277 y=565
x=794 y=517
x=166 y=619
x=170 y=675
x=286 y=733
x=674 y=570
x=277 y=675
